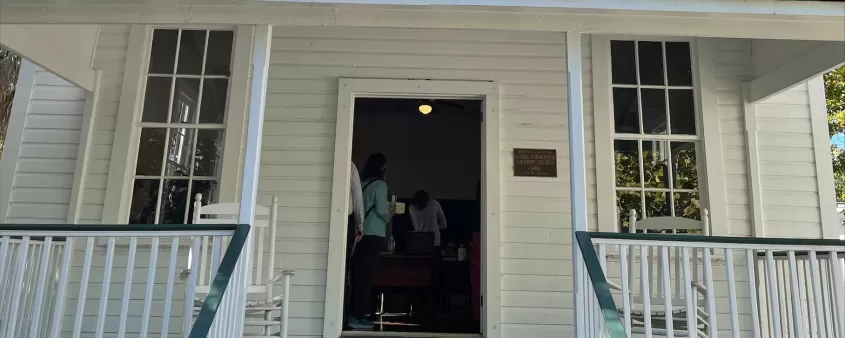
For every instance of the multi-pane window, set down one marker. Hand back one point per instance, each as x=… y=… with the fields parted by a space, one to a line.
x=655 y=138
x=182 y=124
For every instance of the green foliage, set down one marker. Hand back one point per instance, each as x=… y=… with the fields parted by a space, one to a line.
x=834 y=90
x=9 y=65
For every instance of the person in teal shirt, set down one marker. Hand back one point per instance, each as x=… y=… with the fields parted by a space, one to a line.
x=365 y=258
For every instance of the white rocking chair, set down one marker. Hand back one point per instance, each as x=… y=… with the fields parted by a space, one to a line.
x=657 y=308
x=266 y=308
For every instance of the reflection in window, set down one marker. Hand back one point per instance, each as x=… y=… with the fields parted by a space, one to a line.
x=182 y=124
x=655 y=138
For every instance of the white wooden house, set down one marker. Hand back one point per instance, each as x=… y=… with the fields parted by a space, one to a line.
x=742 y=80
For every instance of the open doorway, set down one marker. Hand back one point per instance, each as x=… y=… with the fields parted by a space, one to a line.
x=428 y=278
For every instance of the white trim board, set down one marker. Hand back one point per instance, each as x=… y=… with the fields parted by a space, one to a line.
x=459 y=17
x=14 y=135
x=755 y=194
x=348 y=90
x=88 y=119
x=815 y=62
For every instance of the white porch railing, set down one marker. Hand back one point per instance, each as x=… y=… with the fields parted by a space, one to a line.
x=703 y=286
x=111 y=280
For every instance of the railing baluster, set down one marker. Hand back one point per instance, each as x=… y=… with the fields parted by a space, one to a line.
x=204 y=277
x=188 y=315
x=692 y=311
x=83 y=288
x=817 y=299
x=711 y=298
x=127 y=286
x=148 y=294
x=104 y=294
x=168 y=294
x=58 y=308
x=667 y=291
x=839 y=299
x=215 y=256
x=18 y=284
x=35 y=322
x=752 y=292
x=798 y=321
x=626 y=288
x=646 y=295
x=774 y=306
x=807 y=309
x=732 y=301
x=259 y=261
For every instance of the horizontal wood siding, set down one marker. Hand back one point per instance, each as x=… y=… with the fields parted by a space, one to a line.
x=299 y=144
x=46 y=163
x=788 y=175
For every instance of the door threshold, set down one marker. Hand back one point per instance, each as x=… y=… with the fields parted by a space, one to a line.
x=386 y=334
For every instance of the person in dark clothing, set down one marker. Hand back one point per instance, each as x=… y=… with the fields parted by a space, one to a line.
x=365 y=256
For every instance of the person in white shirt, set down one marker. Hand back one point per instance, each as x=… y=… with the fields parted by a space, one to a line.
x=427 y=215
x=356 y=202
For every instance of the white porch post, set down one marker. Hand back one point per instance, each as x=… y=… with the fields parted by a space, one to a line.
x=252 y=159
x=577 y=171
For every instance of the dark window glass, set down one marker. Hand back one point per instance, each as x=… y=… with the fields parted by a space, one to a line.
x=651 y=62
x=174 y=202
x=622 y=61
x=219 y=53
x=687 y=205
x=179 y=150
x=657 y=204
x=185 y=100
x=679 y=64
x=682 y=111
x=150 y=151
x=214 y=95
x=627 y=162
x=625 y=116
x=156 y=98
x=142 y=209
x=207 y=158
x=654 y=111
x=163 y=51
x=209 y=191
x=191 y=48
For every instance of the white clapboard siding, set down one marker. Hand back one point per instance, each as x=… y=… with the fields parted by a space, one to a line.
x=305 y=65
x=790 y=185
x=43 y=178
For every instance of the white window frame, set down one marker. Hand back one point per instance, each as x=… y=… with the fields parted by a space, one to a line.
x=708 y=150
x=128 y=126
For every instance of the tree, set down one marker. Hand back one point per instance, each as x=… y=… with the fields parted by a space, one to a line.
x=834 y=91
x=9 y=65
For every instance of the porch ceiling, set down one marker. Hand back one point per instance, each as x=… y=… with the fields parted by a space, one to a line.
x=736 y=19
x=65 y=50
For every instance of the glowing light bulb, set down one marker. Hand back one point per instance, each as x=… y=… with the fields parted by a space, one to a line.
x=425 y=109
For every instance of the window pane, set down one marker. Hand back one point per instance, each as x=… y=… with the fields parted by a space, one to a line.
x=625 y=202
x=687 y=205
x=209 y=191
x=179 y=150
x=142 y=209
x=214 y=94
x=684 y=163
x=191 y=48
x=185 y=99
x=678 y=64
x=150 y=151
x=209 y=151
x=174 y=201
x=682 y=111
x=163 y=51
x=655 y=162
x=219 y=53
x=651 y=62
x=156 y=98
x=625 y=116
x=622 y=62
x=654 y=111
x=627 y=156
x=657 y=204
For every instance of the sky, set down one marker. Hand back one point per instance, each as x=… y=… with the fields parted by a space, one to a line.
x=838 y=140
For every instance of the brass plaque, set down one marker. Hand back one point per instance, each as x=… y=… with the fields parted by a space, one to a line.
x=535 y=162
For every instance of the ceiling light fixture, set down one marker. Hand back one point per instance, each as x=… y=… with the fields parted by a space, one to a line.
x=425 y=109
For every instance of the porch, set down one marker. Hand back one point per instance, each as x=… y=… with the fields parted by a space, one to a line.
x=759 y=166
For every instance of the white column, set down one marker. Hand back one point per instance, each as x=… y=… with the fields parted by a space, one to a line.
x=252 y=159
x=577 y=171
